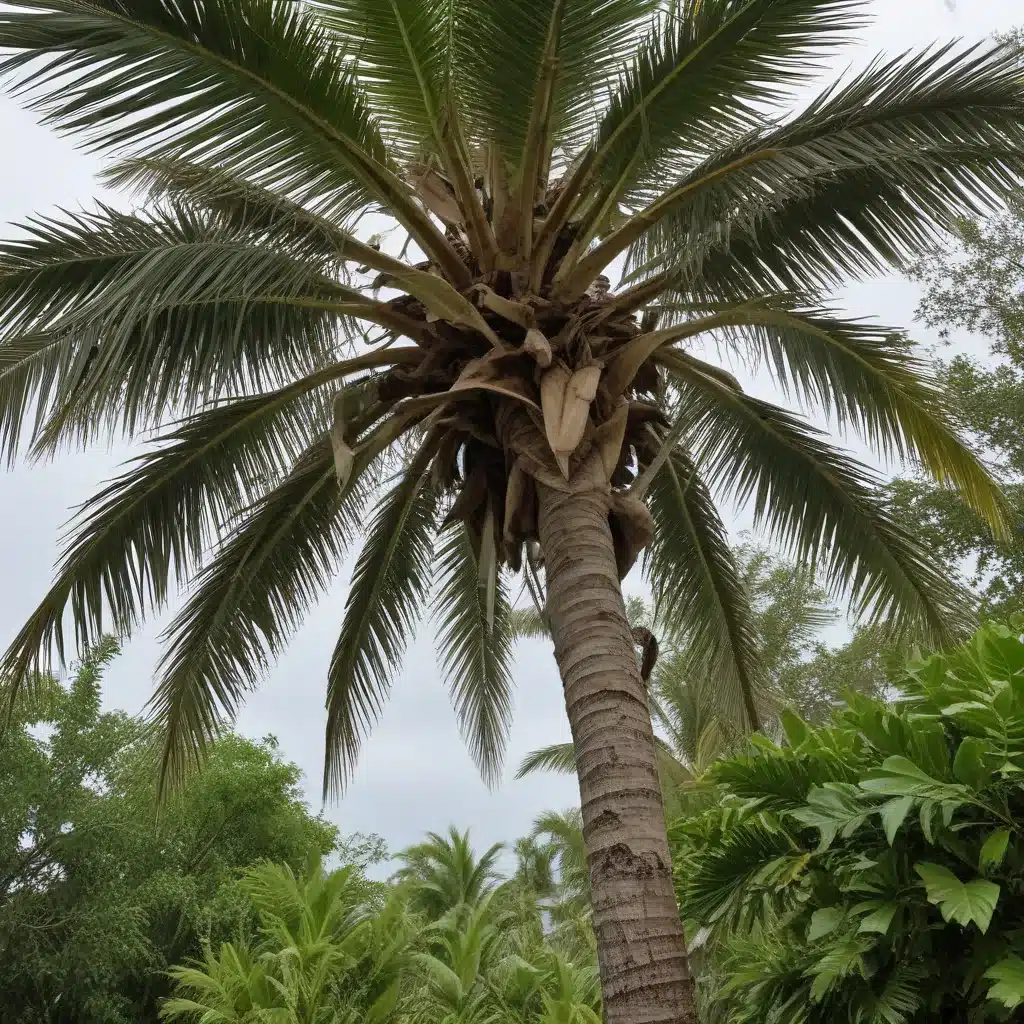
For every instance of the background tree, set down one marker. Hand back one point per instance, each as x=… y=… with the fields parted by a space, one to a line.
x=99 y=893
x=524 y=149
x=978 y=286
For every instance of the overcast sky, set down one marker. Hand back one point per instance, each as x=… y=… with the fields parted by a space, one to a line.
x=414 y=774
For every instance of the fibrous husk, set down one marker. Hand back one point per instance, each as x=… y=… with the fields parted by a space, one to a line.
x=344 y=456
x=610 y=435
x=524 y=438
x=520 y=514
x=539 y=347
x=472 y=496
x=565 y=403
x=500 y=373
x=648 y=644
x=632 y=527
x=445 y=468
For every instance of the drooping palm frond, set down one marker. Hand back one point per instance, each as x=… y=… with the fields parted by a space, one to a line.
x=249 y=600
x=869 y=378
x=475 y=645
x=696 y=582
x=289 y=111
x=926 y=129
x=389 y=585
x=126 y=316
x=559 y=757
x=822 y=506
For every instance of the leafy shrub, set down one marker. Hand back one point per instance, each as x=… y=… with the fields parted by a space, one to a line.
x=872 y=870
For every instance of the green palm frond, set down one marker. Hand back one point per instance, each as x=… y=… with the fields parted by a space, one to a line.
x=868 y=377
x=405 y=53
x=249 y=600
x=237 y=203
x=703 y=73
x=933 y=130
x=261 y=87
x=697 y=585
x=559 y=757
x=128 y=315
x=822 y=506
x=154 y=524
x=527 y=624
x=389 y=586
x=475 y=651
x=506 y=46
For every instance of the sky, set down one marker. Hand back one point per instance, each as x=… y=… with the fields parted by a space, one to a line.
x=415 y=774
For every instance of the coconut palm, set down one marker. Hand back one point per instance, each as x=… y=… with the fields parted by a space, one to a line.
x=443 y=873
x=532 y=420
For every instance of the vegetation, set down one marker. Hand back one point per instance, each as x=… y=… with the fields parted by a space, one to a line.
x=99 y=893
x=872 y=870
x=978 y=286
x=535 y=421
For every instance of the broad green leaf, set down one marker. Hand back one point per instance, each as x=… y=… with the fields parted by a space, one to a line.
x=823 y=922
x=893 y=815
x=795 y=727
x=833 y=809
x=993 y=850
x=1008 y=976
x=880 y=919
x=963 y=902
x=899 y=776
x=969 y=763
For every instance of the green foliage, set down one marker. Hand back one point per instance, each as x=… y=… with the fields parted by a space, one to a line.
x=99 y=892
x=873 y=868
x=449 y=941
x=977 y=285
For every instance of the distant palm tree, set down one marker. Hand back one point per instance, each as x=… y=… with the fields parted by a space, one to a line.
x=445 y=874
x=535 y=420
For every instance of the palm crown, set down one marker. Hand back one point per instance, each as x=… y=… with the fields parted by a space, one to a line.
x=522 y=148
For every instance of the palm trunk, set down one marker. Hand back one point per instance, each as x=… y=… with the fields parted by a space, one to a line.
x=645 y=977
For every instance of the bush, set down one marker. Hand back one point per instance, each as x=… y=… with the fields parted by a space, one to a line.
x=872 y=870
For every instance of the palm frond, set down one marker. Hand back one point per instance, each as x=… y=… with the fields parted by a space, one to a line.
x=869 y=378
x=389 y=586
x=108 y=319
x=408 y=63
x=559 y=757
x=939 y=132
x=154 y=524
x=822 y=506
x=245 y=207
x=707 y=71
x=475 y=650
x=505 y=46
x=527 y=624
x=697 y=587
x=249 y=600
x=260 y=86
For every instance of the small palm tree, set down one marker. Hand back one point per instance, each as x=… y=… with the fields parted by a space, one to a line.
x=533 y=420
x=326 y=955
x=444 y=873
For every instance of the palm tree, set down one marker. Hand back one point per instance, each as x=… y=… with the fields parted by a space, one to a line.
x=327 y=955
x=444 y=873
x=533 y=420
